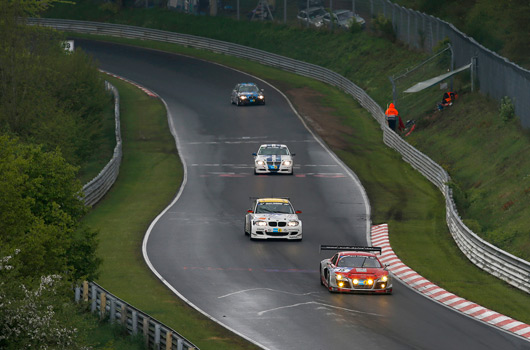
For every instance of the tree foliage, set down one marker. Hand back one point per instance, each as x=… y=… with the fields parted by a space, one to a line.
x=47 y=95
x=40 y=211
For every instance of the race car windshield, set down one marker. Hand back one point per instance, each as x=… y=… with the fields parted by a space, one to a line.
x=248 y=88
x=343 y=16
x=276 y=208
x=269 y=151
x=358 y=261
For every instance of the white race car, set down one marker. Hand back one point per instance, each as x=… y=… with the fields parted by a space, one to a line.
x=273 y=159
x=273 y=218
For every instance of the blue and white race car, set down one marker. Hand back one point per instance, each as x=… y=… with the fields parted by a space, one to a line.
x=273 y=159
x=247 y=93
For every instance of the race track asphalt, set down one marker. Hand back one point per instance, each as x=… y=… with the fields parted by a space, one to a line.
x=269 y=291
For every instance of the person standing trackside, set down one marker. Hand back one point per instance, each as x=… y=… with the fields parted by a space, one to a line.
x=391 y=115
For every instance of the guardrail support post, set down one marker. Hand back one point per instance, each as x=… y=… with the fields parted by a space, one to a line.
x=179 y=344
x=77 y=294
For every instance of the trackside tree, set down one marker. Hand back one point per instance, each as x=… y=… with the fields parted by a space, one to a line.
x=51 y=105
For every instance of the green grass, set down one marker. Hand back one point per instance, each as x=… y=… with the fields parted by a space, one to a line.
x=149 y=178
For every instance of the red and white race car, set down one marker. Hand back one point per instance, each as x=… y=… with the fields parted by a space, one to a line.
x=355 y=269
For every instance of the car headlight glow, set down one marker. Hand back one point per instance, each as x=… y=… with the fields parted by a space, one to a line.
x=293 y=223
x=260 y=162
x=370 y=282
x=287 y=162
x=341 y=284
x=261 y=223
x=261 y=97
x=339 y=277
x=384 y=278
x=355 y=281
x=243 y=97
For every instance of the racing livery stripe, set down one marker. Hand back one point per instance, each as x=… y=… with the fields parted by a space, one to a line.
x=379 y=237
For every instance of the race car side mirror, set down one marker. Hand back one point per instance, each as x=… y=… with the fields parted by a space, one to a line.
x=254 y=154
x=250 y=211
x=298 y=212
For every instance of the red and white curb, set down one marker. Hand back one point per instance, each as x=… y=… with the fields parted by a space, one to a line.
x=410 y=277
x=147 y=91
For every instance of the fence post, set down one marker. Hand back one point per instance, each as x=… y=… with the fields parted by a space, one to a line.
x=135 y=322
x=123 y=312
x=77 y=294
x=179 y=344
x=146 y=330
x=102 y=304
x=157 y=336
x=85 y=290
x=169 y=340
x=112 y=310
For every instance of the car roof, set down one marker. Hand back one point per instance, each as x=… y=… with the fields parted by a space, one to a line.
x=340 y=11
x=354 y=253
x=272 y=145
x=273 y=200
x=242 y=84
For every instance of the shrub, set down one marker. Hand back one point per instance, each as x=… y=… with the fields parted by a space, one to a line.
x=507 y=109
x=384 y=28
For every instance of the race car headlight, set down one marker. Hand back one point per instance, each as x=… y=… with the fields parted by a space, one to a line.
x=384 y=278
x=339 y=277
x=355 y=281
x=243 y=97
x=370 y=282
x=293 y=223
x=260 y=162
x=287 y=162
x=261 y=97
x=260 y=223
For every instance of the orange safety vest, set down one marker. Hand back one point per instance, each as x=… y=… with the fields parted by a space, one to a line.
x=391 y=111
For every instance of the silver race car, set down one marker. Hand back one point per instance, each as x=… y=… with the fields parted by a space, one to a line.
x=273 y=159
x=273 y=218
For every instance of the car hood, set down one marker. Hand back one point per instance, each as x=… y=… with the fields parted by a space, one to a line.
x=274 y=217
x=248 y=94
x=273 y=158
x=353 y=272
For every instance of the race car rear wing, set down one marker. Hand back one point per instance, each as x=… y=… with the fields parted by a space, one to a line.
x=351 y=248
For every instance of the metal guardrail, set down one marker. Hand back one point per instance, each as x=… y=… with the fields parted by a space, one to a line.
x=497 y=262
x=99 y=186
x=156 y=334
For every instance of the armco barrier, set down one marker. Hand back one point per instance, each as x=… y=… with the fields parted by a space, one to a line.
x=98 y=186
x=499 y=263
x=156 y=334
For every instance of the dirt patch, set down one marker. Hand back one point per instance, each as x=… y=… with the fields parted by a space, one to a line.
x=323 y=120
